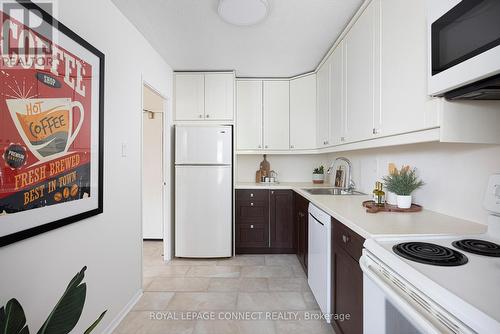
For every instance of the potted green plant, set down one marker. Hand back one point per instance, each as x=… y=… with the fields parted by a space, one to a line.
x=403 y=183
x=61 y=320
x=318 y=176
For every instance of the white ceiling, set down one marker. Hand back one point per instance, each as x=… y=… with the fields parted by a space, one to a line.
x=190 y=35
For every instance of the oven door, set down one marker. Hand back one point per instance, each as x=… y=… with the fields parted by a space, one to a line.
x=464 y=43
x=392 y=306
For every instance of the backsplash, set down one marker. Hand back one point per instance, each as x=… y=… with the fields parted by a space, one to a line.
x=455 y=174
x=290 y=168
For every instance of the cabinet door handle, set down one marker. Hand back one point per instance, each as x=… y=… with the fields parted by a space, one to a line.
x=200 y=116
x=266 y=146
x=375 y=131
x=208 y=116
x=291 y=146
x=251 y=226
x=260 y=146
x=251 y=204
x=251 y=194
x=345 y=238
x=272 y=192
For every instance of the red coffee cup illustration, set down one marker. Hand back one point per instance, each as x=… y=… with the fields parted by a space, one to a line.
x=46 y=125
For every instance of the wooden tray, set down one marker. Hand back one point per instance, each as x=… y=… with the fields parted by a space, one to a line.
x=372 y=208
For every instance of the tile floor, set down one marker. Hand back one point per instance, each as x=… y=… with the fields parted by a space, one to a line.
x=253 y=286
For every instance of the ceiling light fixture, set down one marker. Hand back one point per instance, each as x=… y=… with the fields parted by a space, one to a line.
x=243 y=12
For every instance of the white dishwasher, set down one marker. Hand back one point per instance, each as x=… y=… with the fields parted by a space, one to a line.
x=319 y=258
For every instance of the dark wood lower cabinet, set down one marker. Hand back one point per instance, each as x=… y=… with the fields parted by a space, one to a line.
x=301 y=215
x=347 y=279
x=264 y=222
x=282 y=229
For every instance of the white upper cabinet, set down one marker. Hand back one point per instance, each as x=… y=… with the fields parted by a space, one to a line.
x=189 y=97
x=362 y=71
x=249 y=115
x=323 y=105
x=204 y=96
x=276 y=114
x=405 y=104
x=337 y=96
x=303 y=113
x=219 y=96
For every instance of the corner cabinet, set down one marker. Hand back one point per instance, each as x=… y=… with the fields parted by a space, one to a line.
x=301 y=215
x=303 y=113
x=204 y=96
x=264 y=222
x=323 y=105
x=347 y=279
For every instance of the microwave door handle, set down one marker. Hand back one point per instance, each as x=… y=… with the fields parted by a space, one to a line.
x=413 y=310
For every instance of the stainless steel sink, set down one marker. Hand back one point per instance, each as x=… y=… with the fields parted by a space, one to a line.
x=333 y=191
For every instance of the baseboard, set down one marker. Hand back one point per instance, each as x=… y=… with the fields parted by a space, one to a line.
x=121 y=315
x=264 y=250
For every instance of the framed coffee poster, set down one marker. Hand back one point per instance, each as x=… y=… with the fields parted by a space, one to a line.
x=51 y=124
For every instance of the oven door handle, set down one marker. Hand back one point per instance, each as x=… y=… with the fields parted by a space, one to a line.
x=407 y=307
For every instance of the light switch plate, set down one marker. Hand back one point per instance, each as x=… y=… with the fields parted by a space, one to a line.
x=124 y=149
x=492 y=197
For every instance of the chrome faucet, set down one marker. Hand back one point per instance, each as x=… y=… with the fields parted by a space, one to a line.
x=349 y=183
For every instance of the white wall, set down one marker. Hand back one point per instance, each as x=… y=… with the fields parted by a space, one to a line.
x=455 y=174
x=37 y=270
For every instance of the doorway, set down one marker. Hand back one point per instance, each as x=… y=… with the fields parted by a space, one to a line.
x=154 y=178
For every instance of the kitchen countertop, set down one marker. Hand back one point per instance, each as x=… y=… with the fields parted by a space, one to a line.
x=348 y=210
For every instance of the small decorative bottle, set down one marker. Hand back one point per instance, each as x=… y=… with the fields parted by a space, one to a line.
x=375 y=193
x=379 y=194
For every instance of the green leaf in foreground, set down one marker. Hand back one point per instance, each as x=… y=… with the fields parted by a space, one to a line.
x=12 y=318
x=68 y=309
x=94 y=325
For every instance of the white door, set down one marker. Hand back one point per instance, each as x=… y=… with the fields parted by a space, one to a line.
x=249 y=114
x=360 y=48
x=203 y=218
x=219 y=96
x=207 y=145
x=152 y=171
x=303 y=113
x=189 y=97
x=153 y=177
x=323 y=104
x=276 y=114
x=337 y=96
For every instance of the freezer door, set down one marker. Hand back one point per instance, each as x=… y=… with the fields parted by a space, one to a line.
x=203 y=145
x=203 y=216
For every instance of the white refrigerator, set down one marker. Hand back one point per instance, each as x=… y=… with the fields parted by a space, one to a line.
x=203 y=191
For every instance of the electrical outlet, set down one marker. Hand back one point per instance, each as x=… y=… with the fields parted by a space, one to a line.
x=492 y=197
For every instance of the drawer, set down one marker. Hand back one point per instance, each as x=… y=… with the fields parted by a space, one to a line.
x=344 y=238
x=252 y=210
x=252 y=235
x=252 y=195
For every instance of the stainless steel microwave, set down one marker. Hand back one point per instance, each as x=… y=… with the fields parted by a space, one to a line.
x=464 y=49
